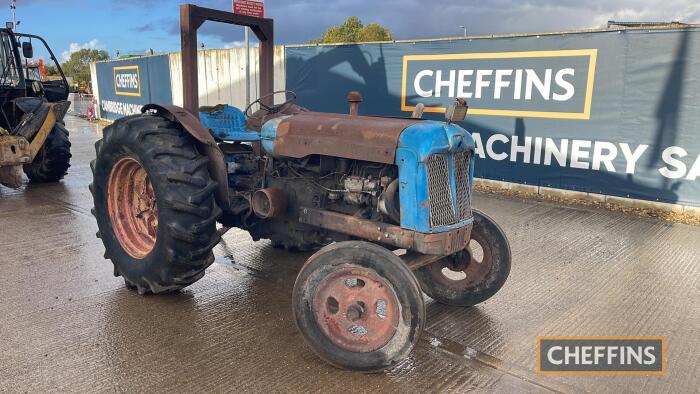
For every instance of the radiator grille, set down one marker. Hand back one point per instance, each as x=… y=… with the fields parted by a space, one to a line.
x=444 y=211
x=461 y=163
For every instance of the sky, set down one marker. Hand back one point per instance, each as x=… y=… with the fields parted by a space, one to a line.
x=135 y=26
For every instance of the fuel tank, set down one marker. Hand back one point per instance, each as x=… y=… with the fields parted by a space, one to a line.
x=352 y=137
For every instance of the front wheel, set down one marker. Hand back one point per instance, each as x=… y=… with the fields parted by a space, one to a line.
x=358 y=306
x=473 y=275
x=53 y=159
x=154 y=204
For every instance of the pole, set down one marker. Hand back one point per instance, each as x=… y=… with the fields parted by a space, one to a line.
x=247 y=66
x=189 y=24
x=465 y=30
x=14 y=14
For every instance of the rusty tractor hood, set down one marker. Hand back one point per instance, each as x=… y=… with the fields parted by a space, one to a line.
x=353 y=137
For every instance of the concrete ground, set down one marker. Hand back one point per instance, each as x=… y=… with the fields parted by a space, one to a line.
x=66 y=324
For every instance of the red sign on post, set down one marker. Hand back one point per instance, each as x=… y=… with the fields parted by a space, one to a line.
x=255 y=8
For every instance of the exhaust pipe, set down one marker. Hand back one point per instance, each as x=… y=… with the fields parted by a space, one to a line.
x=354 y=98
x=269 y=203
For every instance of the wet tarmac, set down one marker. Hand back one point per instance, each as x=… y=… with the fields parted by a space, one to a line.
x=68 y=325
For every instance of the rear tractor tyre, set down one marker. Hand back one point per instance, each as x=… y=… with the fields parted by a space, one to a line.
x=358 y=306
x=154 y=204
x=53 y=159
x=473 y=275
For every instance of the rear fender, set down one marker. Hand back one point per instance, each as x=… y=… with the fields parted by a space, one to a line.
x=205 y=144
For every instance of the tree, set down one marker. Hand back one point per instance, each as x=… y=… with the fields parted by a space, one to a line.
x=51 y=70
x=78 y=66
x=352 y=30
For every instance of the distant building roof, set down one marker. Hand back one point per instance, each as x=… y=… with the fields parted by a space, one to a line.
x=646 y=24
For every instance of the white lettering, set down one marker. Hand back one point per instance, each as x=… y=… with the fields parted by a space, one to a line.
x=598 y=354
x=518 y=84
x=632 y=157
x=489 y=147
x=481 y=82
x=600 y=158
x=566 y=85
x=525 y=149
x=551 y=149
x=612 y=353
x=118 y=108
x=500 y=83
x=577 y=153
x=440 y=83
x=462 y=83
x=538 y=150
x=417 y=86
x=550 y=355
x=568 y=355
x=543 y=87
x=649 y=353
x=586 y=355
x=635 y=353
x=128 y=81
x=668 y=157
x=479 y=150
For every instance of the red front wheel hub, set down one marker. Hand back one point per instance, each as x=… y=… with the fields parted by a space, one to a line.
x=356 y=309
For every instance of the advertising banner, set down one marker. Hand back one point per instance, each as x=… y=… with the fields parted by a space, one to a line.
x=127 y=85
x=608 y=112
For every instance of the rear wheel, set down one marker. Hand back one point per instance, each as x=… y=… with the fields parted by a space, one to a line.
x=53 y=159
x=358 y=306
x=473 y=275
x=154 y=204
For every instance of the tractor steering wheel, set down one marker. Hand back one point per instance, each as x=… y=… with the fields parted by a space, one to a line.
x=290 y=98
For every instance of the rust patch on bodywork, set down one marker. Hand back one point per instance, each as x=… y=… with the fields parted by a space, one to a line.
x=351 y=137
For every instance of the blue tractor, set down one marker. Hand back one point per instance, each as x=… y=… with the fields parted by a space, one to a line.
x=385 y=201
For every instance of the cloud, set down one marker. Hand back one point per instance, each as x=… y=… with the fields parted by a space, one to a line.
x=75 y=47
x=235 y=44
x=297 y=22
x=240 y=44
x=302 y=20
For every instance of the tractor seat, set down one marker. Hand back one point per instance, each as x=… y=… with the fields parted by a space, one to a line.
x=226 y=123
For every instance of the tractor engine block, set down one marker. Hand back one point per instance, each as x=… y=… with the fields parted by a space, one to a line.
x=351 y=187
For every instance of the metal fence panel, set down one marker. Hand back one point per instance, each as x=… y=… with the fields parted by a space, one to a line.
x=80 y=104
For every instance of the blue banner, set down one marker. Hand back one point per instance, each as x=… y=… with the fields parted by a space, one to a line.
x=609 y=112
x=127 y=85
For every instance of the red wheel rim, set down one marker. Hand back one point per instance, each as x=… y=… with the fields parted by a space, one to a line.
x=131 y=203
x=356 y=309
x=474 y=270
